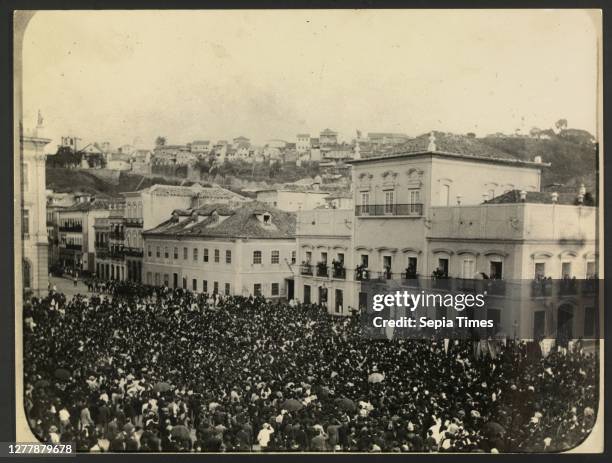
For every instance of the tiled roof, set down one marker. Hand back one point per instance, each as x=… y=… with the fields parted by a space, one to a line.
x=514 y=196
x=446 y=144
x=96 y=204
x=240 y=222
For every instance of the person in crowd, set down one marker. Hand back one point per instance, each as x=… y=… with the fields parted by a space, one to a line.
x=148 y=369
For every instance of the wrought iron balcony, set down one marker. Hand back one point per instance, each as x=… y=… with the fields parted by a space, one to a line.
x=306 y=269
x=339 y=272
x=322 y=270
x=71 y=228
x=376 y=210
x=133 y=252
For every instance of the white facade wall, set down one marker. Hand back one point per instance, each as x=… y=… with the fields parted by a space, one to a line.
x=241 y=273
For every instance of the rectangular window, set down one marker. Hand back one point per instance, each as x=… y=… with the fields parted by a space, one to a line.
x=157 y=280
x=539 y=324
x=566 y=270
x=275 y=289
x=166 y=279
x=166 y=255
x=185 y=254
x=540 y=270
x=257 y=289
x=415 y=202
x=25 y=222
x=308 y=257
x=324 y=257
x=206 y=255
x=227 y=289
x=389 y=195
x=306 y=294
x=26 y=177
x=468 y=268
x=194 y=284
x=257 y=257
x=365 y=202
x=364 y=260
x=293 y=257
x=216 y=255
x=228 y=257
x=175 y=253
x=149 y=278
x=157 y=252
x=591 y=270
x=184 y=283
x=204 y=286
x=339 y=301
x=149 y=250
x=195 y=254
x=215 y=287
x=275 y=257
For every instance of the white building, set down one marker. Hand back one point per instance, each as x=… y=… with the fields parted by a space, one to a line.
x=33 y=217
x=292 y=199
x=241 y=250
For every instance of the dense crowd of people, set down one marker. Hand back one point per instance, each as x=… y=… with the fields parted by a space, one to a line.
x=137 y=368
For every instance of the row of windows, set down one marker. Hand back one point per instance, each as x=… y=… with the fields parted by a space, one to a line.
x=157 y=280
x=257 y=255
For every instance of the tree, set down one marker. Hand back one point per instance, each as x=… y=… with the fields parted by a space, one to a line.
x=561 y=124
x=534 y=132
x=160 y=141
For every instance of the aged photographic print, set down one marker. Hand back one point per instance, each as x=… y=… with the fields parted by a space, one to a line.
x=334 y=231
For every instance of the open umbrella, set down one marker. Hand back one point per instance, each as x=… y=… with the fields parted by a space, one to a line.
x=62 y=374
x=376 y=378
x=42 y=383
x=161 y=387
x=292 y=405
x=180 y=432
x=346 y=404
x=492 y=429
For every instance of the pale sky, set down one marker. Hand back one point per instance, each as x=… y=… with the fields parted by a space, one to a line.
x=128 y=76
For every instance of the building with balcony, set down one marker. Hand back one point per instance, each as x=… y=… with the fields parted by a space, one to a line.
x=76 y=232
x=535 y=254
x=326 y=259
x=147 y=208
x=228 y=249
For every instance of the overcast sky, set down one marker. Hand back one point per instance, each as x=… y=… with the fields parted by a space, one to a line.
x=128 y=76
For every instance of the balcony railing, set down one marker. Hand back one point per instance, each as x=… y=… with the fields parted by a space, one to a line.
x=133 y=252
x=71 y=228
x=133 y=222
x=322 y=270
x=339 y=273
x=116 y=235
x=74 y=247
x=306 y=269
x=389 y=210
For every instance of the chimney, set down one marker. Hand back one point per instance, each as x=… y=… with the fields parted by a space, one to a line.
x=523 y=196
x=554 y=196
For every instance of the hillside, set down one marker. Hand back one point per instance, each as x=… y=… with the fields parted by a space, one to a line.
x=74 y=180
x=572 y=162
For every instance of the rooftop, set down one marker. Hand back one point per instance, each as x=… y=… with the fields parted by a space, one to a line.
x=448 y=144
x=223 y=221
x=537 y=197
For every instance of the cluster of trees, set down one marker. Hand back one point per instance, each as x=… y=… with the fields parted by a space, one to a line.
x=67 y=157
